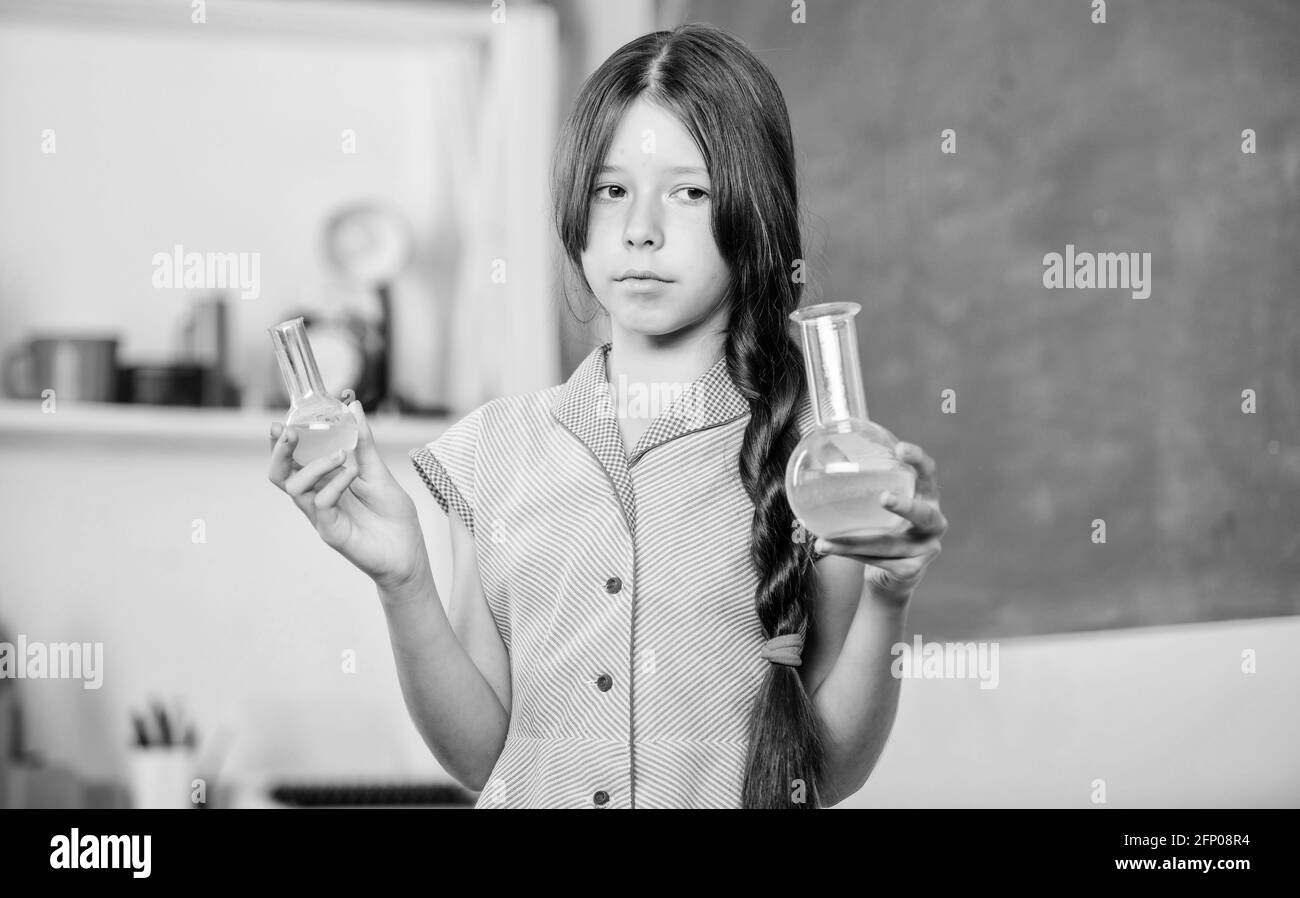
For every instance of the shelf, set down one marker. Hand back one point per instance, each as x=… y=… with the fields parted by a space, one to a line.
x=22 y=421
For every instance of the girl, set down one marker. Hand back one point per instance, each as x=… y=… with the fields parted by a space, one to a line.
x=635 y=618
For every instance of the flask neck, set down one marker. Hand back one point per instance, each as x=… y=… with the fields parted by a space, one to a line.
x=834 y=377
x=297 y=364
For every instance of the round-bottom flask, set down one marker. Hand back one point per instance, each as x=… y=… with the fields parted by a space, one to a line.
x=322 y=423
x=322 y=429
x=837 y=471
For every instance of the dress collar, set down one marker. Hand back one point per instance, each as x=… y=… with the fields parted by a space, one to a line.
x=585 y=407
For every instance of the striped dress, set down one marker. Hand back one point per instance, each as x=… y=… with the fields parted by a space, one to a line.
x=621 y=585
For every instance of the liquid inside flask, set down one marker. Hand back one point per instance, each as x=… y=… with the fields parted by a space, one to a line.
x=835 y=475
x=322 y=423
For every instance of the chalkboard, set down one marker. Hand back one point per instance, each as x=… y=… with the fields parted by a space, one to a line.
x=1071 y=405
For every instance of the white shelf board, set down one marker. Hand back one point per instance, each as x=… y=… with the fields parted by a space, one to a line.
x=22 y=421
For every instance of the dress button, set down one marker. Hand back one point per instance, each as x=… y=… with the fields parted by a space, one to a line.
x=601 y=797
x=604 y=682
x=613 y=584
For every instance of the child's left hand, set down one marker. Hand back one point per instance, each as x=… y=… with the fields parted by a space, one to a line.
x=897 y=561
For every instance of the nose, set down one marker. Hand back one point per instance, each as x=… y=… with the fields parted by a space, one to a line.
x=643 y=227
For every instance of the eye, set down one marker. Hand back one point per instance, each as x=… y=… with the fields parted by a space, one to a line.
x=606 y=187
x=700 y=190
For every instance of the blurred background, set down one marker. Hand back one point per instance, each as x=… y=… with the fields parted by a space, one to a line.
x=171 y=187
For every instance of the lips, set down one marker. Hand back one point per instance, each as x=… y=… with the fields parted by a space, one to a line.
x=642 y=274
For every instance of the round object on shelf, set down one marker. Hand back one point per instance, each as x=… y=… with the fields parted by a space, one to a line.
x=369 y=242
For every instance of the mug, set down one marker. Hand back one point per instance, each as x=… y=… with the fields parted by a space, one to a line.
x=80 y=368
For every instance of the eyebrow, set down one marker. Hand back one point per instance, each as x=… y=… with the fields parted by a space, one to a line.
x=675 y=170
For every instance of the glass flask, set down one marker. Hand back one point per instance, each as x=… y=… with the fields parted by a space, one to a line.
x=322 y=423
x=835 y=475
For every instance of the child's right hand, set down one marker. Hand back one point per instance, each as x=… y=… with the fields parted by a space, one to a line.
x=355 y=504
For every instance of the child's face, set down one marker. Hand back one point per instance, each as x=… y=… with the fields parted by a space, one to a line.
x=644 y=215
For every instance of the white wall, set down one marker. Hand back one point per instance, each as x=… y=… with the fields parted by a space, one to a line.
x=1164 y=715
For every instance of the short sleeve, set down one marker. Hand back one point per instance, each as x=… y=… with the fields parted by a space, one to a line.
x=448 y=467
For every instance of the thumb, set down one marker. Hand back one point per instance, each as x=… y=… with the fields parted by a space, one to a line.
x=367 y=453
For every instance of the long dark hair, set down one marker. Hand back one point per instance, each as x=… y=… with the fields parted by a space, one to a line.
x=733 y=108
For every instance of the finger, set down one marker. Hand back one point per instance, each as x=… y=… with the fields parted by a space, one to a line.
x=892 y=578
x=282 y=463
x=330 y=493
x=276 y=429
x=306 y=499
x=886 y=546
x=367 y=451
x=927 y=480
x=904 y=564
x=921 y=512
x=909 y=568
x=304 y=481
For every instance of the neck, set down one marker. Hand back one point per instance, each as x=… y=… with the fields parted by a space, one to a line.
x=680 y=357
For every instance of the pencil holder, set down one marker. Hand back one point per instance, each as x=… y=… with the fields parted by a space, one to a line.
x=161 y=777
